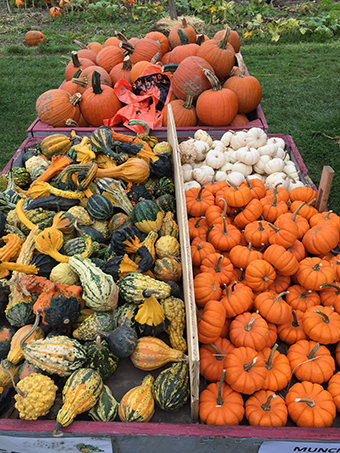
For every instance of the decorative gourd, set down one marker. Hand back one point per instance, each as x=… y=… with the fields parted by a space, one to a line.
x=63 y=273
x=6 y=335
x=138 y=405
x=55 y=144
x=99 y=290
x=15 y=354
x=80 y=393
x=151 y=353
x=106 y=408
x=147 y=216
x=100 y=358
x=97 y=321
x=122 y=340
x=171 y=387
x=131 y=287
x=35 y=397
x=150 y=318
x=58 y=355
x=9 y=373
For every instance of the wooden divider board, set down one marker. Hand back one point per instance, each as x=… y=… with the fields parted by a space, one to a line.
x=187 y=273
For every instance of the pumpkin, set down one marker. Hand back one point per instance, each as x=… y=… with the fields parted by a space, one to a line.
x=85 y=80
x=211 y=321
x=167 y=268
x=212 y=358
x=333 y=389
x=245 y=370
x=219 y=404
x=310 y=406
x=220 y=55
x=238 y=300
x=246 y=87
x=171 y=387
x=258 y=233
x=259 y=275
x=138 y=405
x=55 y=11
x=161 y=38
x=132 y=286
x=174 y=39
x=80 y=393
x=279 y=369
x=206 y=288
x=249 y=330
x=319 y=366
x=299 y=298
x=199 y=249
x=219 y=266
x=272 y=307
x=292 y=331
x=216 y=106
x=55 y=106
x=143 y=49
x=321 y=238
x=184 y=113
x=34 y=37
x=265 y=408
x=314 y=272
x=322 y=324
x=109 y=56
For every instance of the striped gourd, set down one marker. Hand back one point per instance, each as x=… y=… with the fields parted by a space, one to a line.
x=93 y=323
x=5 y=376
x=147 y=215
x=55 y=144
x=15 y=353
x=99 y=207
x=132 y=286
x=138 y=405
x=80 y=393
x=57 y=355
x=171 y=388
x=106 y=409
x=99 y=289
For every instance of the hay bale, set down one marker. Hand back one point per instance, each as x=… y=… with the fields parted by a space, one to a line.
x=165 y=24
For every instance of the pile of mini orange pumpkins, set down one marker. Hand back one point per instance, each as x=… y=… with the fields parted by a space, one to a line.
x=209 y=81
x=268 y=304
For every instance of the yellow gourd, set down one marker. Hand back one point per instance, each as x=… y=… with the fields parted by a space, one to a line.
x=174 y=310
x=138 y=405
x=167 y=246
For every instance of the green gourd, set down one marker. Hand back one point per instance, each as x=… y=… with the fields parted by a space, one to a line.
x=122 y=340
x=171 y=388
x=132 y=286
x=94 y=323
x=100 y=358
x=106 y=408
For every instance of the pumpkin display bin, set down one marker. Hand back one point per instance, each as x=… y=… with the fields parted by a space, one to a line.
x=181 y=428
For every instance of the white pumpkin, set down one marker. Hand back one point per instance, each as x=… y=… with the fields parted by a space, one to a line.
x=280 y=153
x=245 y=169
x=220 y=176
x=248 y=155
x=187 y=152
x=236 y=178
x=232 y=156
x=257 y=176
x=226 y=137
x=276 y=140
x=215 y=159
x=186 y=172
x=202 y=148
x=274 y=165
x=269 y=150
x=275 y=178
x=203 y=175
x=218 y=144
x=200 y=134
x=227 y=167
x=256 y=137
x=190 y=184
x=238 y=140
x=291 y=170
x=293 y=184
x=197 y=164
x=261 y=163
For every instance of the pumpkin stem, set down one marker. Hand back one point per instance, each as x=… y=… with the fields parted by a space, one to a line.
x=208 y=231
x=218 y=265
x=269 y=363
x=311 y=355
x=127 y=64
x=232 y=185
x=97 y=89
x=304 y=294
x=298 y=209
x=247 y=367
x=241 y=66
x=249 y=326
x=280 y=295
x=220 y=400
x=75 y=59
x=200 y=316
x=120 y=36
x=337 y=292
x=295 y=321
x=80 y=44
x=198 y=221
x=224 y=213
x=199 y=195
x=325 y=318
x=200 y=39
x=215 y=83
x=309 y=401
x=183 y=36
x=317 y=267
x=260 y=228
x=227 y=289
x=35 y=325
x=266 y=406
x=21 y=393
x=219 y=356
x=240 y=278
x=224 y=41
x=311 y=202
x=274 y=227
x=187 y=105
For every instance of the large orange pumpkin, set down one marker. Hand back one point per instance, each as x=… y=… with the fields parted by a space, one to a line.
x=34 y=37
x=55 y=106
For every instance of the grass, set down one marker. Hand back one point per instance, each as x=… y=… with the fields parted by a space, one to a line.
x=300 y=82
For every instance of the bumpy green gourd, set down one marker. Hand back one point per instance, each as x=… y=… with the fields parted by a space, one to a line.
x=106 y=408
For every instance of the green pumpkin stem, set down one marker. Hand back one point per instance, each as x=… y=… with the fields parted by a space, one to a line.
x=298 y=209
x=24 y=393
x=311 y=355
x=280 y=295
x=249 y=325
x=187 y=105
x=219 y=356
x=208 y=231
x=325 y=318
x=248 y=367
x=269 y=363
x=333 y=285
x=295 y=322
x=266 y=406
x=183 y=37
x=311 y=202
x=220 y=400
x=260 y=228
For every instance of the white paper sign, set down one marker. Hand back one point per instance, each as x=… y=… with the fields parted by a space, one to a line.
x=270 y=446
x=12 y=444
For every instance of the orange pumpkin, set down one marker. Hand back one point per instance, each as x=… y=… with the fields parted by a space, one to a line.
x=330 y=296
x=161 y=38
x=142 y=50
x=251 y=212
x=310 y=406
x=109 y=56
x=249 y=330
x=55 y=106
x=55 y=11
x=334 y=389
x=303 y=193
x=212 y=358
x=325 y=217
x=220 y=405
x=321 y=238
x=245 y=370
x=272 y=307
x=300 y=299
x=211 y=321
x=241 y=255
x=311 y=361
x=184 y=113
x=265 y=408
x=219 y=266
x=34 y=37
x=284 y=262
x=206 y=288
x=258 y=233
x=224 y=236
x=259 y=275
x=314 y=272
x=238 y=300
x=75 y=64
x=84 y=81
x=198 y=200
x=322 y=324
x=292 y=331
x=200 y=249
x=174 y=39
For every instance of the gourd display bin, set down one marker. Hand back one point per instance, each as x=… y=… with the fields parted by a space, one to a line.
x=168 y=431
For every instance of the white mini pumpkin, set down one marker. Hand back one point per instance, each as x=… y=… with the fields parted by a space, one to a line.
x=276 y=178
x=238 y=140
x=269 y=150
x=200 y=134
x=215 y=159
x=261 y=163
x=203 y=175
x=276 y=140
x=248 y=155
x=190 y=184
x=226 y=137
x=236 y=178
x=291 y=170
x=187 y=152
x=202 y=148
x=245 y=169
x=186 y=172
x=274 y=165
x=280 y=153
x=256 y=137
x=218 y=144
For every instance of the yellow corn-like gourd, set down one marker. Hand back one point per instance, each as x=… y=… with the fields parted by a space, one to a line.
x=174 y=310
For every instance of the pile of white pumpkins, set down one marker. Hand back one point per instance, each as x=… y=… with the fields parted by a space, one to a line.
x=237 y=155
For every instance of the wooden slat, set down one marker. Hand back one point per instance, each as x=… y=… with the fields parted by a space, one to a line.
x=187 y=273
x=324 y=188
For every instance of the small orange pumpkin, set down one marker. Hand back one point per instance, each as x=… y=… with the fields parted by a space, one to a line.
x=265 y=408
x=249 y=330
x=34 y=37
x=322 y=324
